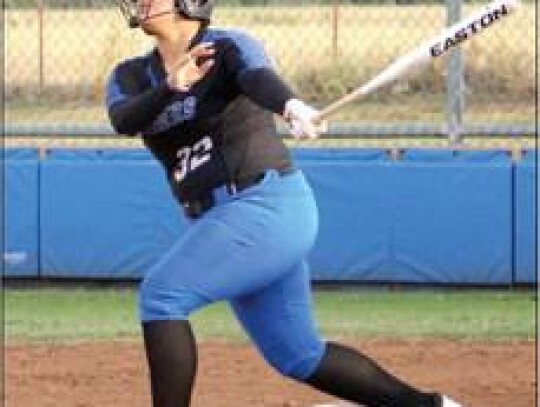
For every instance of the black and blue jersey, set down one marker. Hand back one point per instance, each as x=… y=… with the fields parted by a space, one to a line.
x=221 y=130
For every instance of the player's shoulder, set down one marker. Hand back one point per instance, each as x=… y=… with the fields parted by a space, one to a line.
x=132 y=65
x=234 y=36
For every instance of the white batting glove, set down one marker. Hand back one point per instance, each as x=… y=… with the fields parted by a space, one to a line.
x=300 y=118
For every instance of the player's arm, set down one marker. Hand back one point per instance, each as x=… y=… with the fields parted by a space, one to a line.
x=135 y=113
x=132 y=104
x=131 y=110
x=254 y=75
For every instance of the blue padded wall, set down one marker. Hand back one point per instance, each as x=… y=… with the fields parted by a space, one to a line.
x=452 y=217
x=105 y=214
x=433 y=217
x=20 y=213
x=340 y=154
x=526 y=243
x=352 y=233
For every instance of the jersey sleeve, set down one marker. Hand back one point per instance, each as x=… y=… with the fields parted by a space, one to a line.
x=245 y=53
x=122 y=84
x=132 y=102
x=254 y=73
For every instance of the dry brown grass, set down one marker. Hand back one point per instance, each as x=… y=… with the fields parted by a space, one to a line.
x=81 y=47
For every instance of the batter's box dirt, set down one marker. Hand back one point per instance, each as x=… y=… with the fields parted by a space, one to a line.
x=479 y=374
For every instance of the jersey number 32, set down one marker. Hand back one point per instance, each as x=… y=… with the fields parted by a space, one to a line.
x=192 y=157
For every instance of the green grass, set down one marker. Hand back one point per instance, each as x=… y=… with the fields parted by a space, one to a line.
x=452 y=314
x=103 y=314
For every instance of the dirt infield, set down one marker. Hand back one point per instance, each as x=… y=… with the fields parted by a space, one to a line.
x=498 y=374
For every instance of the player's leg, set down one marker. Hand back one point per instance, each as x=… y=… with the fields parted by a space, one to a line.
x=172 y=361
x=233 y=250
x=166 y=302
x=279 y=320
x=350 y=375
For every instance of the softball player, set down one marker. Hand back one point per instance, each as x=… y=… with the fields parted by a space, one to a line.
x=203 y=101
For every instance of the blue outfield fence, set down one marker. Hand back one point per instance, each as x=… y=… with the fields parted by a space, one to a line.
x=20 y=207
x=104 y=213
x=526 y=218
x=431 y=216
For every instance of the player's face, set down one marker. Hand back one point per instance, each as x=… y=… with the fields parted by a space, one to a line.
x=148 y=9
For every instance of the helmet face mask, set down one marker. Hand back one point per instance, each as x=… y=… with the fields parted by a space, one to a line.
x=130 y=10
x=136 y=11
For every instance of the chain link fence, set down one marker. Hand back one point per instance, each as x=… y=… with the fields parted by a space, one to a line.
x=58 y=55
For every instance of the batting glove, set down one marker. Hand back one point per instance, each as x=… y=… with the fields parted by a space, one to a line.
x=301 y=119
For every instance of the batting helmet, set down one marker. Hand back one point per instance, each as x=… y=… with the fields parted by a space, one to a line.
x=193 y=9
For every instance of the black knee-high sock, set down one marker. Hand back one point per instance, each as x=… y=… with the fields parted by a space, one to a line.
x=349 y=375
x=172 y=360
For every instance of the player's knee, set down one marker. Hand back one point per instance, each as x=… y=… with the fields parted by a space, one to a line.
x=300 y=365
x=163 y=303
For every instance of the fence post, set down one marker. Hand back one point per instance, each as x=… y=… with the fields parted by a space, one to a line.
x=335 y=27
x=41 y=78
x=454 y=78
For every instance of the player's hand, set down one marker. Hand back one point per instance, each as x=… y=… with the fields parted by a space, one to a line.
x=302 y=120
x=189 y=69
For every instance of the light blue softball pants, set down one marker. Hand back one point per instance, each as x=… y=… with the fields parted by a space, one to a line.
x=249 y=250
